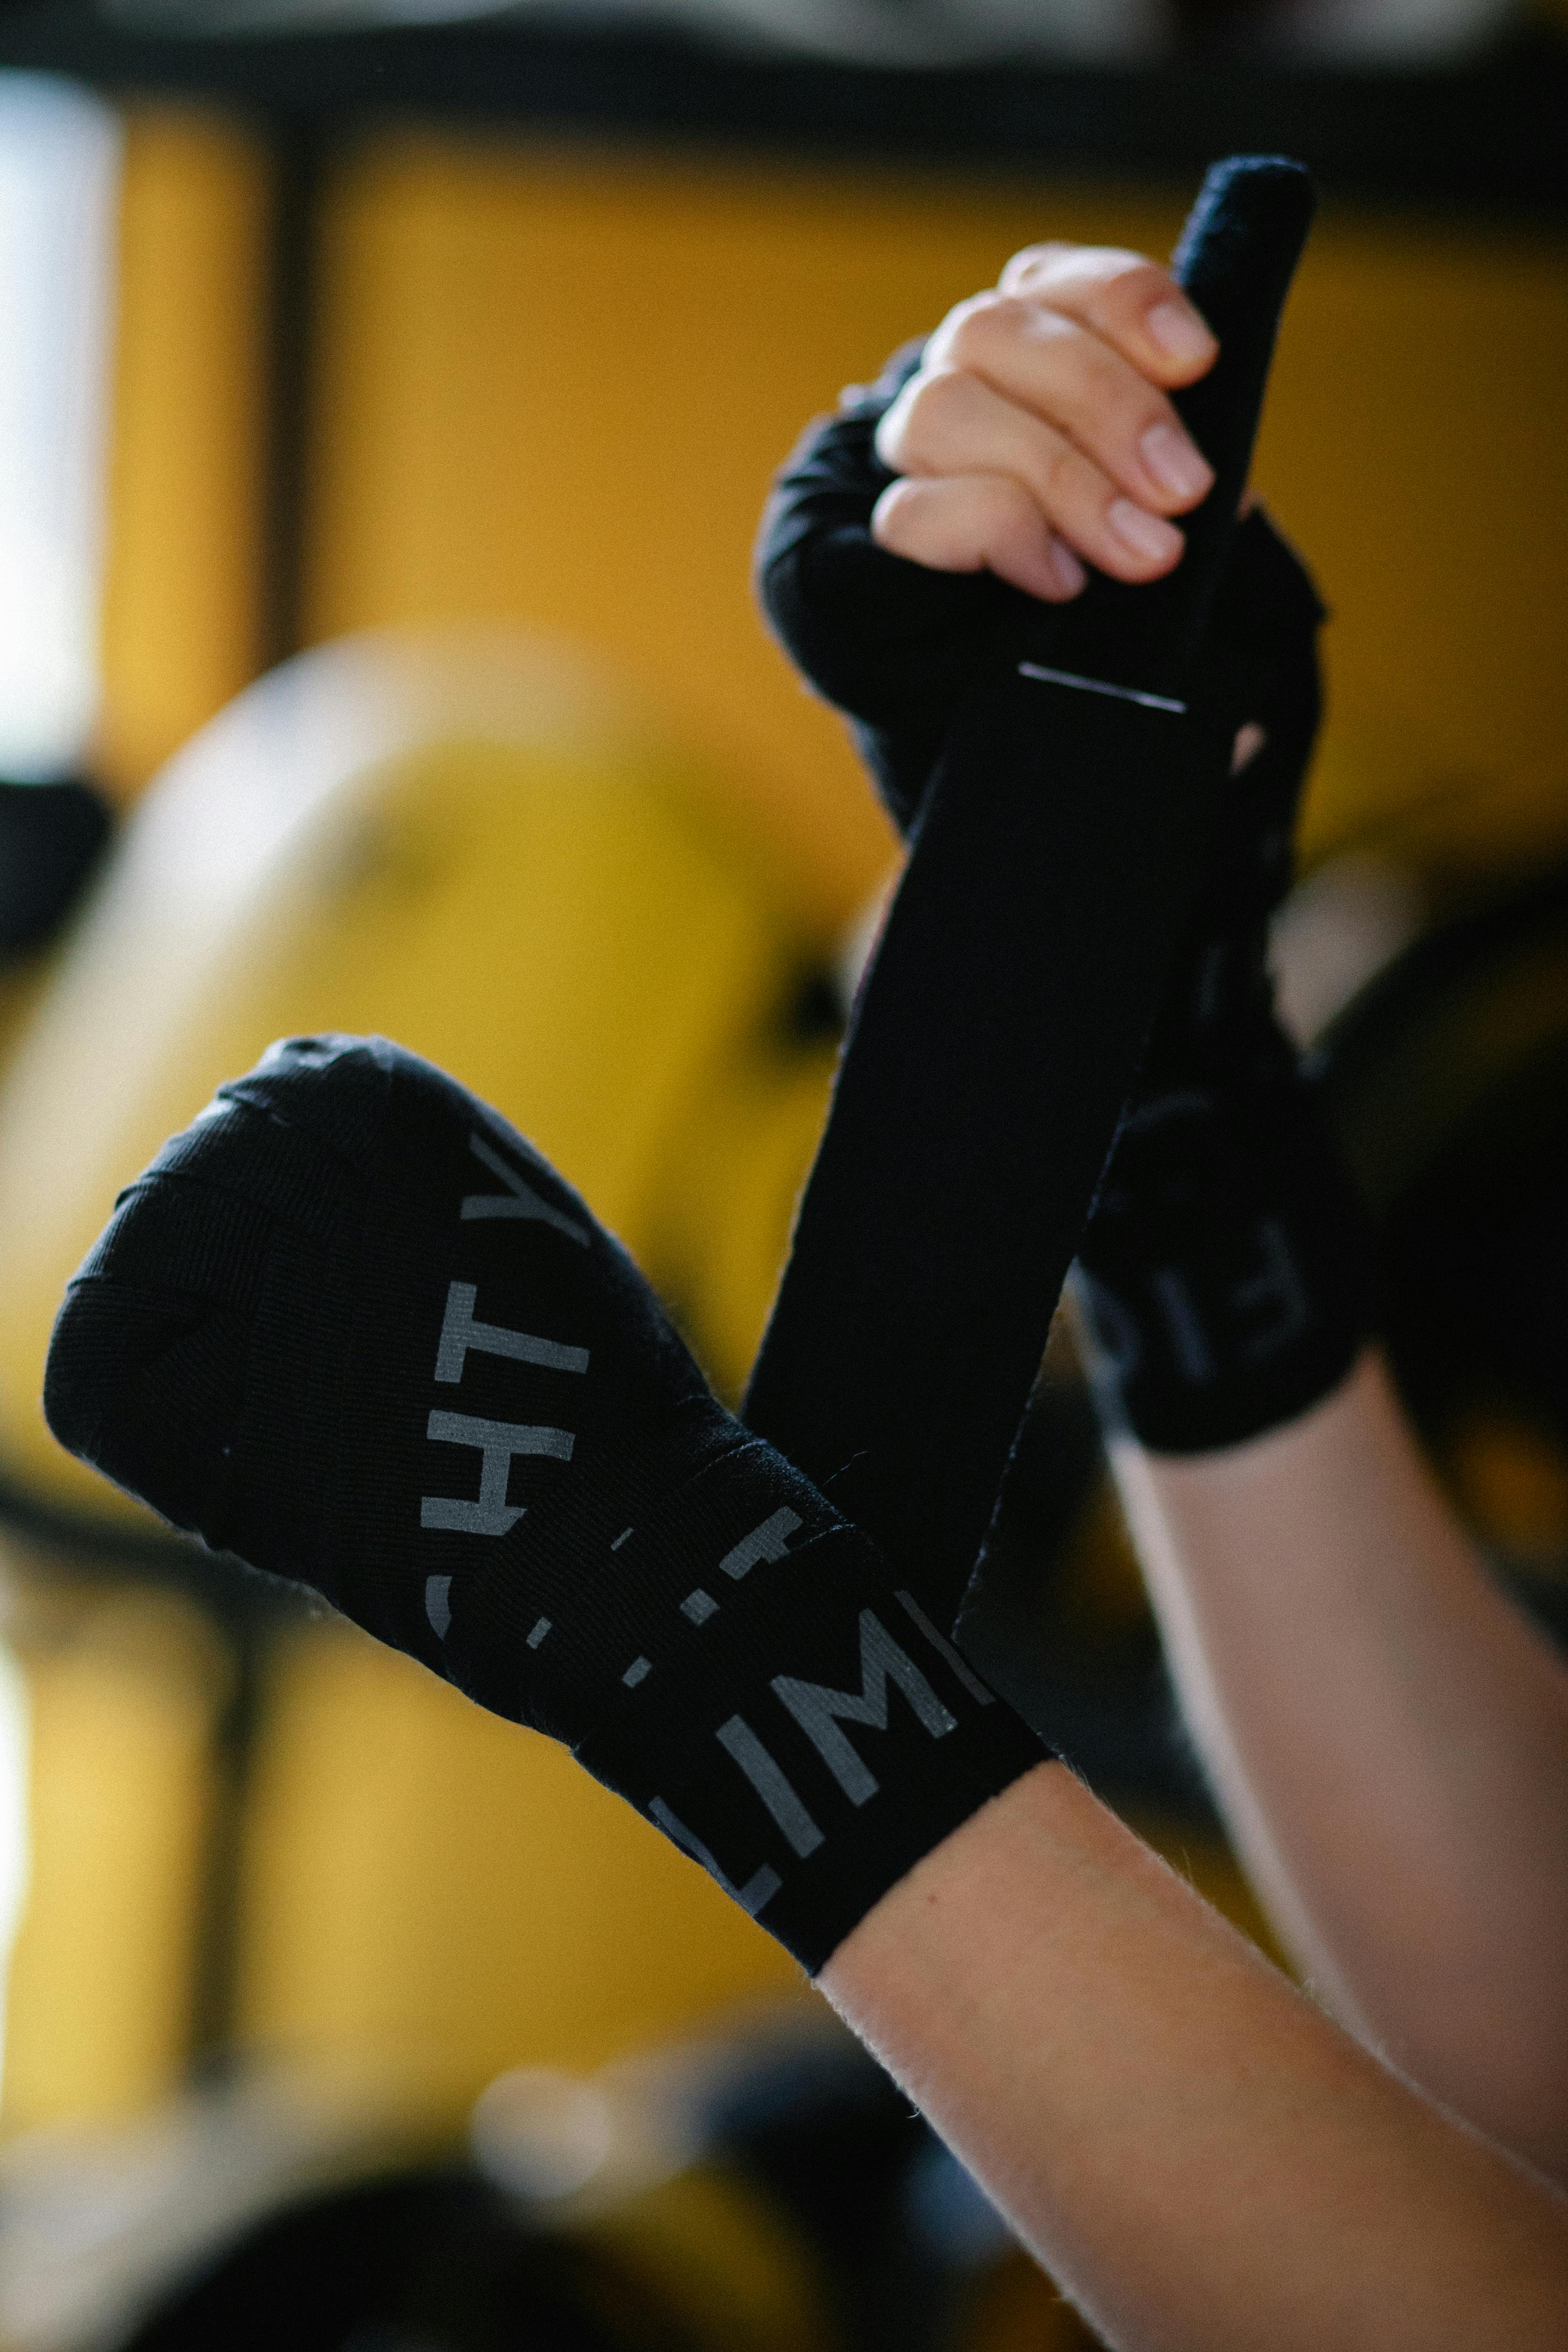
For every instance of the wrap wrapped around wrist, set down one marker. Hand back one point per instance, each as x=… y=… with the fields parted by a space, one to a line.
x=1227 y=1274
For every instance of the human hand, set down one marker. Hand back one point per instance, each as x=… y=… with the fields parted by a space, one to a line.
x=1036 y=435
x=890 y=573
x=898 y=637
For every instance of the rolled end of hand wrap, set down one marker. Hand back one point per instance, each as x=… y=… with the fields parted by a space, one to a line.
x=1241 y=242
x=1237 y=256
x=899 y=647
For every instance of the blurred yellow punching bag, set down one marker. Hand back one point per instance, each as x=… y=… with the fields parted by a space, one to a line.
x=464 y=842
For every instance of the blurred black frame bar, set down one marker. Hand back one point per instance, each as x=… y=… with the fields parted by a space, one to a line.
x=1484 y=139
x=1486 y=134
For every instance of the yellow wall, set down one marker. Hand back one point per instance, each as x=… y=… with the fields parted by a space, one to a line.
x=554 y=387
x=1416 y=446
x=540 y=911
x=553 y=384
x=434 y=1889
x=122 y=1690
x=182 y=603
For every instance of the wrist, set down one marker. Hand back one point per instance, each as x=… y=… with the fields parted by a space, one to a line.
x=824 y=1739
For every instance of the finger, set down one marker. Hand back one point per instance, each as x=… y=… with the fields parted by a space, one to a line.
x=1066 y=375
x=949 y=422
x=1249 y=742
x=974 y=523
x=1125 y=298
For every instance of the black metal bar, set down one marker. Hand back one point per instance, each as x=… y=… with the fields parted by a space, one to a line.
x=299 y=151
x=245 y=1607
x=1485 y=135
x=248 y=1624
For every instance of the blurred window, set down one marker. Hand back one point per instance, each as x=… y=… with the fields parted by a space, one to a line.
x=59 y=157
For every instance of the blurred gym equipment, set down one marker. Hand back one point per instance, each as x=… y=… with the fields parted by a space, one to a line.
x=427 y=321
x=465 y=841
x=1450 y=1077
x=464 y=844
x=761 y=2189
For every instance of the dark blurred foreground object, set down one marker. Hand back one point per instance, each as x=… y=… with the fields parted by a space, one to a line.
x=768 y=2190
x=430 y=2262
x=1448 y=1082
x=1347 y=31
x=933 y=32
x=1444 y=103
x=51 y=838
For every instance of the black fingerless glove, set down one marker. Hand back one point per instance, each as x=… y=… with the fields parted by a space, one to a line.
x=890 y=642
x=1227 y=1276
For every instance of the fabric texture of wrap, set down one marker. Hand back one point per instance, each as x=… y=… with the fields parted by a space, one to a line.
x=1056 y=850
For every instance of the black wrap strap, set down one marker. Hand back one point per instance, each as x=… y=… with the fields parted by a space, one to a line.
x=998 y=1035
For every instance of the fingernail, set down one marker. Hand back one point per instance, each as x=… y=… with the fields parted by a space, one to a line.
x=1071 y=574
x=1175 y=464
x=1180 y=332
x=1144 y=534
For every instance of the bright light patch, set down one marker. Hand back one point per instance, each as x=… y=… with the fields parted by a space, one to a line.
x=59 y=174
x=13 y=1784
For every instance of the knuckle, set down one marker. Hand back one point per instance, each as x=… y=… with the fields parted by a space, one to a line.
x=1122 y=267
x=935 y=522
x=888 y=438
x=1038 y=265
x=911 y=435
x=1108 y=403
x=1029 y=257
x=974 y=326
x=938 y=344
x=1080 y=492
x=1115 y=395
x=1059 y=469
x=1079 y=266
x=1004 y=503
x=937 y=399
x=896 y=520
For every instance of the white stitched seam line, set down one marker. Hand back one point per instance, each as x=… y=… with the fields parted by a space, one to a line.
x=1101 y=686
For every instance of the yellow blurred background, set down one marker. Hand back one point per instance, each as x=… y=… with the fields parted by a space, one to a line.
x=551 y=386
x=548 y=384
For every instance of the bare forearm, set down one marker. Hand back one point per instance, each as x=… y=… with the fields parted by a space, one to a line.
x=1389 y=1739
x=1196 y=2154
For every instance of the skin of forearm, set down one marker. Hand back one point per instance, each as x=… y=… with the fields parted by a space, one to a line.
x=1387 y=1735
x=1200 y=2158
